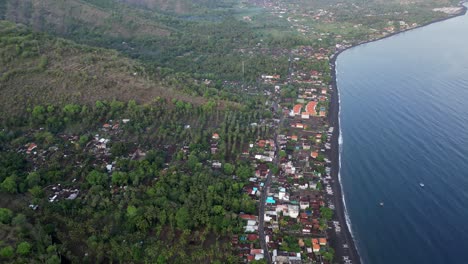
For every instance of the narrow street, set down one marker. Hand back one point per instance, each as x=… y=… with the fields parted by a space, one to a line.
x=266 y=188
x=261 y=220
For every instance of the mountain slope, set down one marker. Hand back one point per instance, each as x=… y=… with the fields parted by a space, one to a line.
x=79 y=17
x=38 y=69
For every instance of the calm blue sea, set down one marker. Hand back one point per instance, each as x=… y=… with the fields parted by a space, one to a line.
x=404 y=121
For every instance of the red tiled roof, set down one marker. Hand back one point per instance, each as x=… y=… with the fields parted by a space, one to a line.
x=256 y=251
x=252 y=237
x=297 y=109
x=262 y=143
x=31 y=147
x=248 y=217
x=316 y=247
x=310 y=108
x=322 y=241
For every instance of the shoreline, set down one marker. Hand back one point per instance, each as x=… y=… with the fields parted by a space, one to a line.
x=340 y=214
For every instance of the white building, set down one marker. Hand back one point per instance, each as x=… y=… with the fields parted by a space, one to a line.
x=293 y=210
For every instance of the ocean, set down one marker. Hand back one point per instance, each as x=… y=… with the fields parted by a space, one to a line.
x=404 y=121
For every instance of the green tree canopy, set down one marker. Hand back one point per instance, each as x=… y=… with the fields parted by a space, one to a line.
x=24 y=248
x=228 y=168
x=182 y=218
x=96 y=178
x=9 y=185
x=5 y=215
x=327 y=213
x=7 y=252
x=132 y=211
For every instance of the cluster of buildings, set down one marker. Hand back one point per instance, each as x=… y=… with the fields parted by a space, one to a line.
x=292 y=173
x=63 y=147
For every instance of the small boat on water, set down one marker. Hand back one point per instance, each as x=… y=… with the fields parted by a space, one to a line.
x=381 y=204
x=421 y=184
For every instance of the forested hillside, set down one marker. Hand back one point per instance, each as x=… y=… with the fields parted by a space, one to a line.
x=207 y=43
x=38 y=69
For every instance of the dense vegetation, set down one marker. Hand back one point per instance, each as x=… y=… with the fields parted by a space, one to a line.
x=37 y=68
x=176 y=71
x=169 y=205
x=206 y=44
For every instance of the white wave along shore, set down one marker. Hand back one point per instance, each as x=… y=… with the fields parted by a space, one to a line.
x=340 y=150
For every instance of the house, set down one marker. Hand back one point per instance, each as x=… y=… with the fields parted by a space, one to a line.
x=289 y=168
x=282 y=193
x=248 y=217
x=314 y=74
x=261 y=143
x=216 y=164
x=301 y=242
x=293 y=210
x=316 y=248
x=294 y=137
x=251 y=222
x=215 y=136
x=214 y=148
x=261 y=170
x=31 y=147
x=297 y=109
x=322 y=241
x=282 y=208
x=235 y=239
x=252 y=237
x=263 y=158
x=305 y=115
x=304 y=205
x=270 y=200
x=250 y=229
x=322 y=114
x=256 y=251
x=314 y=154
x=310 y=108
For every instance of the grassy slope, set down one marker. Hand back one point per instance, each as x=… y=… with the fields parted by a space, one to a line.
x=202 y=38
x=37 y=68
x=72 y=16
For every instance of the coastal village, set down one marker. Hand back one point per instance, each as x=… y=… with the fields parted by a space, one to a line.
x=298 y=215
x=293 y=180
x=294 y=184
